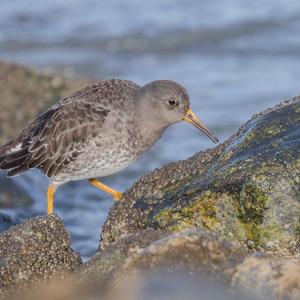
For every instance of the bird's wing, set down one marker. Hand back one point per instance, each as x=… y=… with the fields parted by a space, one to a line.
x=55 y=138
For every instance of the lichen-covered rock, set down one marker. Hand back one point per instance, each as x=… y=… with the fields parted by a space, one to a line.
x=246 y=189
x=24 y=93
x=38 y=249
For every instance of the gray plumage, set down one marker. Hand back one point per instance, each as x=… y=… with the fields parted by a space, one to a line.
x=97 y=131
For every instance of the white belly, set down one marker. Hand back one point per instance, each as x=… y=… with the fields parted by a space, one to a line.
x=95 y=162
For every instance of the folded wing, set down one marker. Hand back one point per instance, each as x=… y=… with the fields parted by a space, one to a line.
x=54 y=139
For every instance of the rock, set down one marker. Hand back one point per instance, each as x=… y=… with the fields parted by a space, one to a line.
x=213 y=266
x=37 y=250
x=191 y=264
x=268 y=278
x=194 y=250
x=24 y=93
x=105 y=266
x=246 y=190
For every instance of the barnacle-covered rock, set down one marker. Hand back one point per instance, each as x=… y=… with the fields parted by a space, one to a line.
x=35 y=251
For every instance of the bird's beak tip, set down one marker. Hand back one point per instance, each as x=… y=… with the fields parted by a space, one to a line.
x=191 y=118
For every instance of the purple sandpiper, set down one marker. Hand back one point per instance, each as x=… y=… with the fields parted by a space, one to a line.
x=98 y=131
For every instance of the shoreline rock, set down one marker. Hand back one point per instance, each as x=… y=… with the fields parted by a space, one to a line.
x=37 y=250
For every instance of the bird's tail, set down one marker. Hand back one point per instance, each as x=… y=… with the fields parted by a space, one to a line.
x=13 y=158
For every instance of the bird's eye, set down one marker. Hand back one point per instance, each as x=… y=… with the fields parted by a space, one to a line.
x=172 y=102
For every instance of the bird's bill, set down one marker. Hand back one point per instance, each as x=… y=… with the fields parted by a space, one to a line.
x=191 y=118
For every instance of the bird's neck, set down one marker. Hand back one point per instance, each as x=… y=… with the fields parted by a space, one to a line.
x=150 y=126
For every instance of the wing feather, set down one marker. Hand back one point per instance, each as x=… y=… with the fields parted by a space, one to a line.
x=51 y=144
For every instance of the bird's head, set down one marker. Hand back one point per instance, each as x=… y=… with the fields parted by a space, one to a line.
x=170 y=103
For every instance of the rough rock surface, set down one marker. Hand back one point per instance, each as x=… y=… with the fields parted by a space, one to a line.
x=192 y=264
x=208 y=259
x=38 y=249
x=246 y=189
x=195 y=250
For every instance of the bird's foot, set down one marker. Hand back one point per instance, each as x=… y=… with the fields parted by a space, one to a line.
x=117 y=196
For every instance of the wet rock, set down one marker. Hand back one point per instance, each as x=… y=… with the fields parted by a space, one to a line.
x=24 y=93
x=246 y=190
x=37 y=250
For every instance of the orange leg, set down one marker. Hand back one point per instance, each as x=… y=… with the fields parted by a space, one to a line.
x=50 y=196
x=116 y=195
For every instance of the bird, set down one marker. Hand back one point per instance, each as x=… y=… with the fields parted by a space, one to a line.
x=98 y=131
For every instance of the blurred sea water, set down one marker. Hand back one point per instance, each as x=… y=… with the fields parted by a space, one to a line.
x=235 y=57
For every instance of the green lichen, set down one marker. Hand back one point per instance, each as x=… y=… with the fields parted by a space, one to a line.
x=253 y=202
x=249 y=138
x=200 y=213
x=235 y=215
x=271 y=232
x=226 y=155
x=272 y=130
x=297 y=231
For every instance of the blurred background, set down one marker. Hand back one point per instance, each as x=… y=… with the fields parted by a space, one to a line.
x=235 y=57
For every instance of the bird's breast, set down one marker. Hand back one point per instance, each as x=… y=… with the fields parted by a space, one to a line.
x=119 y=143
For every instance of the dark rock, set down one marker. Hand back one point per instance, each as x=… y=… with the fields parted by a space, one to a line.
x=246 y=189
x=37 y=250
